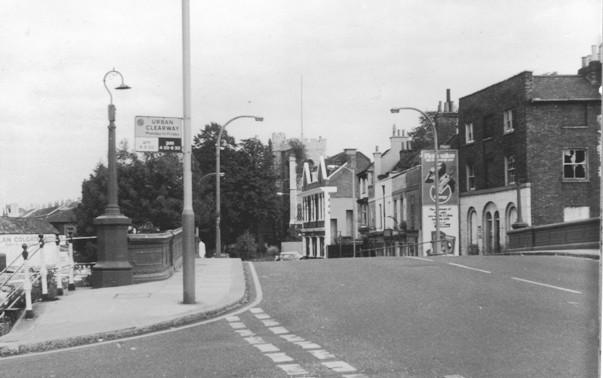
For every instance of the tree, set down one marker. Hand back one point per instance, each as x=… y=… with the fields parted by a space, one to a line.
x=247 y=191
x=149 y=190
x=421 y=137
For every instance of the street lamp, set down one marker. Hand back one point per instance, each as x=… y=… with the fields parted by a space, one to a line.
x=112 y=267
x=218 y=143
x=354 y=221
x=436 y=248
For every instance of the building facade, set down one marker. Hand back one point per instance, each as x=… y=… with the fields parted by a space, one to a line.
x=530 y=140
x=328 y=195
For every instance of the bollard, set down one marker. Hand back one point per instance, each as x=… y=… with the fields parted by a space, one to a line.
x=59 y=275
x=43 y=269
x=71 y=286
x=27 y=284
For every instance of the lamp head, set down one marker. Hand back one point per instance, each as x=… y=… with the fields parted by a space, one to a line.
x=123 y=86
x=395 y=110
x=259 y=119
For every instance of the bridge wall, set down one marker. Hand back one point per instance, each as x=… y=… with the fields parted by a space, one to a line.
x=155 y=256
x=583 y=234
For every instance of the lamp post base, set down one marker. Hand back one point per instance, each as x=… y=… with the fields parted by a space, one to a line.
x=113 y=266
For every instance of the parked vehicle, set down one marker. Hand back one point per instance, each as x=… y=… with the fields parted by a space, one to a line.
x=288 y=256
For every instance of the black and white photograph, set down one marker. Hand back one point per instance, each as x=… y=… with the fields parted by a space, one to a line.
x=301 y=189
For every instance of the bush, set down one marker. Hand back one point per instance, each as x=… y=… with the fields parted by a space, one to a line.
x=473 y=249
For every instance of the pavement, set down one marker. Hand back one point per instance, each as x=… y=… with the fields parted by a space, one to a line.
x=87 y=315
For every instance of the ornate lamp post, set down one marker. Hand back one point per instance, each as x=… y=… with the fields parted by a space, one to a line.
x=113 y=267
x=218 y=143
x=436 y=247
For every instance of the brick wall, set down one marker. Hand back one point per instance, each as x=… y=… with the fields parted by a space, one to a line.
x=546 y=139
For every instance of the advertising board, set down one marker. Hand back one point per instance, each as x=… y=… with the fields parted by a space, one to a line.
x=446 y=192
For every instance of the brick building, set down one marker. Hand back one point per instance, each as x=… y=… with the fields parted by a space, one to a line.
x=533 y=138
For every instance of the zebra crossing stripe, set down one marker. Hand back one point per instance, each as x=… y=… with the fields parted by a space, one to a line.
x=262 y=315
x=270 y=323
x=256 y=310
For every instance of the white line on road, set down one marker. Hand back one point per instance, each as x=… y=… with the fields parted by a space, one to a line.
x=468 y=267
x=546 y=285
x=419 y=258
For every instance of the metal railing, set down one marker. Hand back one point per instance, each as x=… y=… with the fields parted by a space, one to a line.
x=402 y=249
x=13 y=287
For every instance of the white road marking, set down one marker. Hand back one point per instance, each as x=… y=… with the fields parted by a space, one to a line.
x=292 y=338
x=293 y=369
x=278 y=330
x=419 y=258
x=233 y=319
x=546 y=285
x=265 y=348
x=355 y=376
x=468 y=267
x=237 y=325
x=321 y=354
x=339 y=366
x=244 y=332
x=454 y=376
x=255 y=340
x=279 y=357
x=308 y=345
x=256 y=310
x=262 y=315
x=270 y=323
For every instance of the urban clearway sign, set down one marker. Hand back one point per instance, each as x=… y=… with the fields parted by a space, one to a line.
x=158 y=134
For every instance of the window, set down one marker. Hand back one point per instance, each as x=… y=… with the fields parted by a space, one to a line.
x=469 y=133
x=508 y=121
x=574 y=115
x=574 y=165
x=510 y=169
x=490 y=173
x=470 y=177
x=488 y=126
x=576 y=213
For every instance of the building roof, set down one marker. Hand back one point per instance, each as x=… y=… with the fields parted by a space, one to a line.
x=563 y=87
x=25 y=226
x=62 y=216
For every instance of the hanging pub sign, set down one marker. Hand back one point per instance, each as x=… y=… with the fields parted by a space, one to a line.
x=158 y=134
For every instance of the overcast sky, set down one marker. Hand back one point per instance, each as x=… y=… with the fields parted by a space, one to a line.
x=357 y=58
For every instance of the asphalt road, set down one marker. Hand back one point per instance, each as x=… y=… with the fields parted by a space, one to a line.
x=382 y=317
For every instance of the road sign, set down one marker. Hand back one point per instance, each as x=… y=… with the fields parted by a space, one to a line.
x=158 y=134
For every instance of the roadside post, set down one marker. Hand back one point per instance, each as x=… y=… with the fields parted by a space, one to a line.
x=59 y=265
x=43 y=269
x=27 y=283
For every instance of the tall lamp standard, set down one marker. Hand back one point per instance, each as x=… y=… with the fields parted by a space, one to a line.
x=354 y=221
x=436 y=247
x=113 y=267
x=218 y=144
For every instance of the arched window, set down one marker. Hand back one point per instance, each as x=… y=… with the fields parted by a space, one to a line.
x=472 y=222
